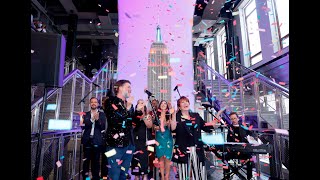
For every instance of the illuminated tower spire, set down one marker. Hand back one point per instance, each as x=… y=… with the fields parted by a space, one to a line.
x=159 y=39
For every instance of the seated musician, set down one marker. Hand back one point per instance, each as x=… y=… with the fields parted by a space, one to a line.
x=237 y=133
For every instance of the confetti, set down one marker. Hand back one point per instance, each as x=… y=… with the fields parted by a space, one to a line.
x=127 y=15
x=129 y=152
x=114 y=107
x=110 y=153
x=32 y=51
x=150 y=148
x=120 y=162
x=163 y=91
x=151 y=142
x=40 y=178
x=235 y=13
x=58 y=163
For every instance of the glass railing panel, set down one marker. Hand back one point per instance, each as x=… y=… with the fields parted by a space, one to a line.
x=285 y=112
x=66 y=101
x=248 y=102
x=268 y=110
x=86 y=100
x=50 y=112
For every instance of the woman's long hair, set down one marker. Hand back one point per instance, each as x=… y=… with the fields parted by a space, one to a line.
x=167 y=112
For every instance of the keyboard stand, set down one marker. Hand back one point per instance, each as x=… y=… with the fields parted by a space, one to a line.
x=235 y=169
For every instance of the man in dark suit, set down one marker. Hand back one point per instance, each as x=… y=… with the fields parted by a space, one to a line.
x=237 y=133
x=92 y=122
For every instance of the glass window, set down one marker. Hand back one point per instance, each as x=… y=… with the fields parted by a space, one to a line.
x=210 y=57
x=253 y=35
x=221 y=40
x=279 y=23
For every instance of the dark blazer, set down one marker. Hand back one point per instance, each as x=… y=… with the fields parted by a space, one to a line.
x=242 y=134
x=98 y=127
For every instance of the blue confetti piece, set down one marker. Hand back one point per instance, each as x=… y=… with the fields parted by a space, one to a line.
x=213 y=98
x=87 y=178
x=111 y=161
x=119 y=114
x=270 y=92
x=189 y=124
x=206 y=99
x=232 y=59
x=170 y=6
x=195 y=126
x=224 y=90
x=129 y=118
x=200 y=139
x=258 y=73
x=248 y=54
x=62 y=157
x=244 y=127
x=281 y=67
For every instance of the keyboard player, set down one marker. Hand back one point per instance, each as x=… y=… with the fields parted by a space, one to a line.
x=237 y=133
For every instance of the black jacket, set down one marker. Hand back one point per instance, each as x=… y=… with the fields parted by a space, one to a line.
x=119 y=132
x=189 y=134
x=98 y=127
x=231 y=137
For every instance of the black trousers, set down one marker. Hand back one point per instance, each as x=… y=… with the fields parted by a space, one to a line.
x=104 y=162
x=91 y=155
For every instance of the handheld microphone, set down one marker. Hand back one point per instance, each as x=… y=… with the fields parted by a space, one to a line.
x=95 y=84
x=148 y=92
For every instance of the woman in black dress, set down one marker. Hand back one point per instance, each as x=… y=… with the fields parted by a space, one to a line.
x=188 y=149
x=141 y=121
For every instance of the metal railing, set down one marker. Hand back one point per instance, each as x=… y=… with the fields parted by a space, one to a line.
x=60 y=156
x=269 y=164
x=267 y=99
x=67 y=99
x=257 y=95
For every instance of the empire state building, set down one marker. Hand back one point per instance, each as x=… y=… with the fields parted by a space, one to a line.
x=159 y=80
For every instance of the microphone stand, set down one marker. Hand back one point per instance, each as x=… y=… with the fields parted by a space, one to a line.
x=178 y=91
x=154 y=112
x=82 y=100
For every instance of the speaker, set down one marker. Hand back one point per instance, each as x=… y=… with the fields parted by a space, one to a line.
x=47 y=59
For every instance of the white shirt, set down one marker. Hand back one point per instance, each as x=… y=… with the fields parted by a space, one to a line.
x=93 y=121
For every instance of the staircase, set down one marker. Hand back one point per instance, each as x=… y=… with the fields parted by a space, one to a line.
x=255 y=98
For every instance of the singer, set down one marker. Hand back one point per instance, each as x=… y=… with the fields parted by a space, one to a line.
x=188 y=149
x=119 y=137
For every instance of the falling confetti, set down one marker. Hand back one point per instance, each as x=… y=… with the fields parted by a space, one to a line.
x=127 y=15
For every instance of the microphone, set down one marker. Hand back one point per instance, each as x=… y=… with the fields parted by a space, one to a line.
x=148 y=92
x=175 y=88
x=95 y=84
x=206 y=105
